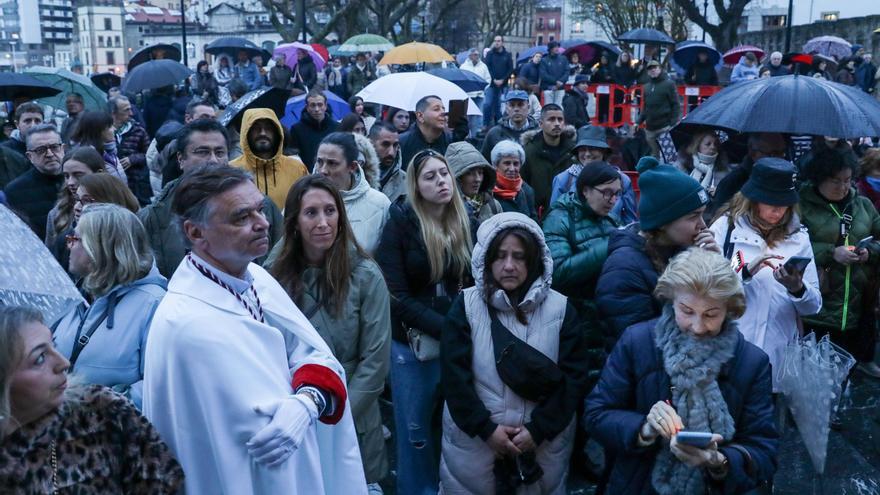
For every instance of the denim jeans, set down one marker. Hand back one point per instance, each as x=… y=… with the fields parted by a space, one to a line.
x=474 y=121
x=492 y=104
x=414 y=386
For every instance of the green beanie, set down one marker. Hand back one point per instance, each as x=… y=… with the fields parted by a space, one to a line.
x=667 y=193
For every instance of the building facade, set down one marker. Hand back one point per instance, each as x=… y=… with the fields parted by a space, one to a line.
x=100 y=36
x=857 y=30
x=547 y=24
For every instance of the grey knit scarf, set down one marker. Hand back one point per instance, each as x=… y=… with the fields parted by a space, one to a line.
x=693 y=365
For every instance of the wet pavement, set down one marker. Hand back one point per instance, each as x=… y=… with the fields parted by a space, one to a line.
x=853 y=459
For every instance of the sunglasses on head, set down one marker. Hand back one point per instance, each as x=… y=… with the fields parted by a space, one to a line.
x=419 y=159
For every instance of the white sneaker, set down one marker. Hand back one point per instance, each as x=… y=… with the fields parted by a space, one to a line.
x=374 y=489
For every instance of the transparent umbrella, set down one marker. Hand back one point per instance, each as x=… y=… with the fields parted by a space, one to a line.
x=29 y=274
x=811 y=378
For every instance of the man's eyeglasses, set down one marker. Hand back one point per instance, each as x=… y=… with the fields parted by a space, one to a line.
x=72 y=239
x=608 y=195
x=42 y=150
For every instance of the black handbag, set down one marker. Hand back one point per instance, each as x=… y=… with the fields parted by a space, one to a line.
x=528 y=372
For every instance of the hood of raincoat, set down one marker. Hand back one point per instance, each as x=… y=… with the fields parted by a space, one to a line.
x=370 y=162
x=490 y=229
x=462 y=157
x=251 y=116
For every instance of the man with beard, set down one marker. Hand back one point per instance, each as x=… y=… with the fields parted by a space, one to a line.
x=315 y=124
x=430 y=130
x=386 y=142
x=33 y=193
x=548 y=152
x=262 y=155
x=200 y=142
x=517 y=122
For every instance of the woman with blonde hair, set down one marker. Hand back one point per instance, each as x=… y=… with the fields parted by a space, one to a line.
x=56 y=438
x=688 y=370
x=105 y=340
x=425 y=255
x=704 y=160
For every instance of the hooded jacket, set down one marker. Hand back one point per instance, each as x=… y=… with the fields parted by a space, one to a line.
x=742 y=72
x=540 y=167
x=367 y=211
x=114 y=355
x=505 y=130
x=463 y=159
x=662 y=107
x=553 y=68
x=275 y=175
x=306 y=136
x=477 y=400
x=370 y=162
x=167 y=240
x=392 y=182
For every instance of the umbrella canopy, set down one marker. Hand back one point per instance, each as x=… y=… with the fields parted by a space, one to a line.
x=590 y=51
x=16 y=85
x=155 y=74
x=460 y=57
x=414 y=53
x=801 y=62
x=68 y=82
x=154 y=52
x=647 y=36
x=526 y=54
x=732 y=56
x=685 y=55
x=294 y=107
x=232 y=45
x=105 y=80
x=321 y=50
x=464 y=79
x=832 y=46
x=366 y=43
x=292 y=55
x=29 y=274
x=334 y=51
x=792 y=105
x=269 y=97
x=404 y=89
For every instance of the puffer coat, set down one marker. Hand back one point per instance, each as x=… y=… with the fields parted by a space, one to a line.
x=478 y=400
x=842 y=287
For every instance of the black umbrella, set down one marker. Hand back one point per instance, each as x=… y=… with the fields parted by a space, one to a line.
x=154 y=74
x=232 y=45
x=154 y=52
x=465 y=80
x=15 y=85
x=797 y=105
x=106 y=80
x=647 y=36
x=269 y=97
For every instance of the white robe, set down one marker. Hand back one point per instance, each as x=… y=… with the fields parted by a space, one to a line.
x=209 y=362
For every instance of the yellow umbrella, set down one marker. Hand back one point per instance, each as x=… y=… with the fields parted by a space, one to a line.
x=415 y=52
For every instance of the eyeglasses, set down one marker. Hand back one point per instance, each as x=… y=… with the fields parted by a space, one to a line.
x=72 y=239
x=83 y=200
x=42 y=150
x=608 y=195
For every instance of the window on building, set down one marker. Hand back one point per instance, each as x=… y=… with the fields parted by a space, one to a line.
x=540 y=23
x=117 y=41
x=552 y=23
x=100 y=41
x=540 y=39
x=773 y=21
x=743 y=26
x=111 y=57
x=578 y=27
x=830 y=16
x=108 y=24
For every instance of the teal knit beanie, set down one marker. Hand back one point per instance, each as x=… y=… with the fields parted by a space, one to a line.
x=667 y=193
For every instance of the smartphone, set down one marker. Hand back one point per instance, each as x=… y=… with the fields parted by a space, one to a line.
x=798 y=263
x=699 y=439
x=863 y=244
x=457 y=112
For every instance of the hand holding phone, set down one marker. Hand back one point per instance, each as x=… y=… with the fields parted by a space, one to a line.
x=863 y=244
x=797 y=263
x=698 y=439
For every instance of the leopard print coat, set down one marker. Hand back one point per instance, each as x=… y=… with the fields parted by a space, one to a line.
x=103 y=445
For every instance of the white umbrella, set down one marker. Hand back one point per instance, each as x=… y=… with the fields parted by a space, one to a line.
x=29 y=274
x=404 y=89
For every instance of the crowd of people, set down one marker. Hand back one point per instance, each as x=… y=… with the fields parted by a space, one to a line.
x=252 y=293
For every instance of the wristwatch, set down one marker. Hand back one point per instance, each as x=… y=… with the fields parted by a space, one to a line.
x=315 y=396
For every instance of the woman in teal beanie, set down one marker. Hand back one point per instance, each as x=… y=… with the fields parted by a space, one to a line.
x=671 y=210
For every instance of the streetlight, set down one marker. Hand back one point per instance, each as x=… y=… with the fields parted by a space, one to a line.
x=705 y=13
x=183 y=27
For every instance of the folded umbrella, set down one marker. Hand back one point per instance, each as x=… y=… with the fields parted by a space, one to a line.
x=414 y=53
x=291 y=54
x=404 y=89
x=29 y=274
x=366 y=43
x=732 y=56
x=155 y=74
x=464 y=79
x=106 y=80
x=646 y=36
x=831 y=46
x=68 y=82
x=293 y=111
x=15 y=85
x=792 y=104
x=154 y=52
x=269 y=97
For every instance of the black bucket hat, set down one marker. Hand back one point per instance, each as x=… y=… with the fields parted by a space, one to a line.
x=591 y=136
x=773 y=182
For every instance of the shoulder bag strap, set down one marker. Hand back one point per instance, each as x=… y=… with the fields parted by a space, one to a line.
x=502 y=338
x=83 y=338
x=728 y=246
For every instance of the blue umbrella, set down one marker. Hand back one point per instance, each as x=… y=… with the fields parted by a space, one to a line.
x=797 y=105
x=526 y=54
x=460 y=57
x=646 y=36
x=686 y=52
x=466 y=80
x=338 y=108
x=17 y=85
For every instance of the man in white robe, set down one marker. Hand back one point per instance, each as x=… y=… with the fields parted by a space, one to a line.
x=236 y=379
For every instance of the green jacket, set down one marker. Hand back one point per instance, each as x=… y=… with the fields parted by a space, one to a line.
x=662 y=107
x=165 y=236
x=360 y=338
x=842 y=287
x=539 y=168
